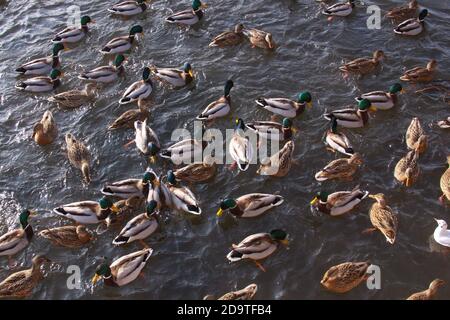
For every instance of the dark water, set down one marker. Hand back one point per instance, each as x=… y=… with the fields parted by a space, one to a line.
x=189 y=258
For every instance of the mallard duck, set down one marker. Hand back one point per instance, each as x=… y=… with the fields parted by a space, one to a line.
x=441 y=234
x=286 y=107
x=382 y=100
x=241 y=149
x=42 y=66
x=182 y=197
x=127 y=188
x=105 y=74
x=22 y=283
x=127 y=119
x=46 y=130
x=126 y=208
x=73 y=34
x=140 y=227
x=41 y=83
x=340 y=168
x=146 y=139
x=139 y=90
x=75 y=98
x=122 y=44
x=271 y=130
x=429 y=293
x=68 y=236
x=129 y=8
x=244 y=294
x=445 y=183
x=413 y=26
x=197 y=172
x=340 y=9
x=250 y=205
x=160 y=193
x=345 y=276
x=259 y=38
x=79 y=156
x=123 y=270
x=87 y=212
x=363 y=65
x=190 y=16
x=340 y=202
x=174 y=77
x=187 y=150
x=444 y=124
x=337 y=141
x=404 y=12
x=420 y=74
x=383 y=218
x=279 y=164
x=229 y=38
x=351 y=118
x=407 y=169
x=219 y=108
x=415 y=136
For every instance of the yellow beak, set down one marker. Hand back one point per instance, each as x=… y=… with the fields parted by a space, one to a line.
x=33 y=213
x=314 y=201
x=204 y=6
x=372 y=108
x=191 y=73
x=219 y=212
x=114 y=209
x=95 y=278
x=152 y=159
x=402 y=91
x=285 y=242
x=309 y=104
x=408 y=182
x=156 y=183
x=294 y=129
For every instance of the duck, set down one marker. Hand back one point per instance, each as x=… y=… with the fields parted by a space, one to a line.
x=246 y=293
x=260 y=38
x=383 y=218
x=188 y=17
x=126 y=208
x=219 y=108
x=105 y=74
x=124 y=189
x=271 y=130
x=383 y=100
x=182 y=197
x=22 y=283
x=250 y=205
x=340 y=202
x=68 y=236
x=146 y=140
x=197 y=172
x=123 y=270
x=420 y=74
x=46 y=130
x=404 y=12
x=229 y=38
x=285 y=107
x=174 y=77
x=140 y=227
x=139 y=90
x=445 y=183
x=279 y=164
x=337 y=141
x=42 y=66
x=127 y=119
x=87 y=212
x=160 y=193
x=416 y=139
x=75 y=98
x=351 y=118
x=407 y=169
x=78 y=155
x=340 y=9
x=122 y=44
x=429 y=293
x=441 y=234
x=73 y=34
x=342 y=168
x=345 y=276
x=363 y=66
x=241 y=149
x=413 y=26
x=129 y=8
x=186 y=150
x=444 y=124
x=41 y=83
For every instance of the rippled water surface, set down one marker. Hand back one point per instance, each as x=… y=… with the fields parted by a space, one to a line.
x=189 y=258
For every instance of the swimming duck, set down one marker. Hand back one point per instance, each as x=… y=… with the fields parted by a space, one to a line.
x=45 y=131
x=416 y=139
x=420 y=74
x=286 y=107
x=441 y=234
x=444 y=124
x=246 y=293
x=383 y=100
x=78 y=155
x=345 y=276
x=340 y=168
x=146 y=140
x=279 y=164
x=229 y=38
x=429 y=293
x=337 y=141
x=123 y=270
x=174 y=77
x=129 y=8
x=271 y=130
x=340 y=202
x=126 y=207
x=445 y=183
x=68 y=236
x=413 y=26
x=197 y=172
x=404 y=12
x=190 y=16
x=127 y=119
x=42 y=66
x=41 y=83
x=127 y=188
x=363 y=65
x=241 y=149
x=73 y=34
x=383 y=218
x=159 y=192
x=340 y=9
x=259 y=38
x=351 y=118
x=250 y=205
x=140 y=227
x=87 y=212
x=182 y=197
x=122 y=44
x=22 y=283
x=105 y=74
x=75 y=98
x=219 y=108
x=407 y=169
x=185 y=150
x=139 y=90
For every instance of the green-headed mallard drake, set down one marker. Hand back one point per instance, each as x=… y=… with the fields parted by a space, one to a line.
x=75 y=98
x=174 y=77
x=46 y=130
x=363 y=65
x=345 y=276
x=340 y=9
x=42 y=66
x=186 y=150
x=197 y=172
x=279 y=164
x=429 y=293
x=404 y=12
x=420 y=74
x=241 y=149
x=271 y=130
x=73 y=34
x=350 y=117
x=41 y=83
x=383 y=218
x=126 y=207
x=229 y=38
x=68 y=236
x=445 y=183
x=259 y=38
x=416 y=139
x=190 y=16
x=127 y=119
x=105 y=74
x=286 y=107
x=129 y=7
x=87 y=212
x=413 y=26
x=219 y=108
x=146 y=139
x=407 y=168
x=182 y=197
x=246 y=293
x=338 y=203
x=382 y=100
x=159 y=192
x=122 y=44
x=139 y=90
x=123 y=270
x=127 y=188
x=78 y=155
x=337 y=141
x=340 y=168
x=250 y=205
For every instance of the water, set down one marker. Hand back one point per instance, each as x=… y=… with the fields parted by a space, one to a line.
x=189 y=260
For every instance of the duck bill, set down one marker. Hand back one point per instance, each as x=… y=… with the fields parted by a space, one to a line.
x=191 y=73
x=402 y=91
x=219 y=212
x=309 y=104
x=152 y=159
x=285 y=242
x=373 y=109
x=203 y=5
x=314 y=201
x=294 y=129
x=408 y=182
x=95 y=279
x=115 y=209
x=33 y=213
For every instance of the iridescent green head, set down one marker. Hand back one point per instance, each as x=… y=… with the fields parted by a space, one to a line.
x=23 y=217
x=305 y=97
x=146 y=73
x=196 y=4
x=85 y=20
x=228 y=85
x=423 y=14
x=148 y=176
x=171 y=177
x=105 y=203
x=57 y=48
x=151 y=206
x=136 y=29
x=278 y=234
x=287 y=123
x=54 y=74
x=103 y=270
x=397 y=87
x=322 y=196
x=364 y=104
x=120 y=58
x=153 y=149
